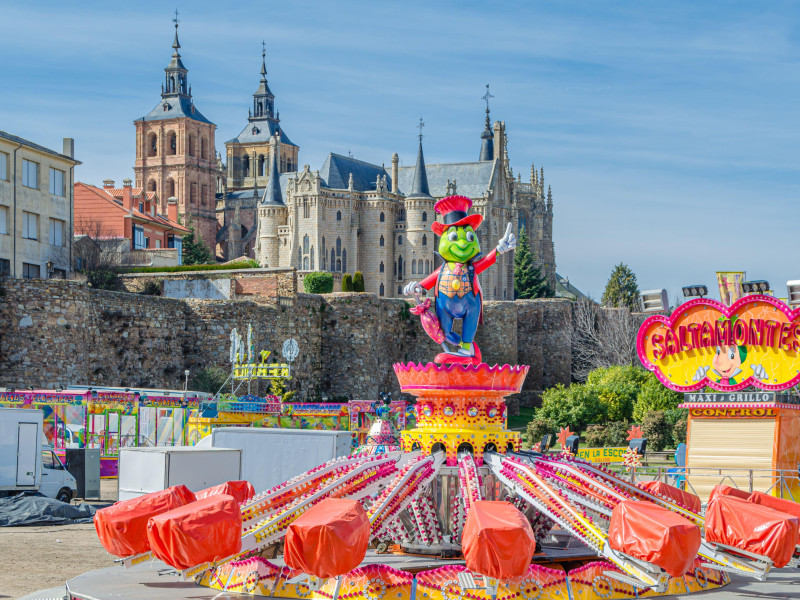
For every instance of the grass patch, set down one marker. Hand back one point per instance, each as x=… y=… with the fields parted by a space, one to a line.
x=521 y=420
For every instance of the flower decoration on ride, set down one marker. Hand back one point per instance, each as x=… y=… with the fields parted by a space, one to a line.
x=563 y=434
x=634 y=433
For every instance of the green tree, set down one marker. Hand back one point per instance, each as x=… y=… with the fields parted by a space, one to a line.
x=538 y=428
x=209 y=379
x=617 y=388
x=575 y=406
x=654 y=395
x=622 y=289
x=657 y=430
x=617 y=433
x=195 y=252
x=528 y=279
x=318 y=283
x=103 y=278
x=358 y=282
x=347 y=283
x=595 y=436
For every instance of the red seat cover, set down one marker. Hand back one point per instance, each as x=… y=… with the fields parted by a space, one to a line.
x=497 y=540
x=241 y=491
x=678 y=495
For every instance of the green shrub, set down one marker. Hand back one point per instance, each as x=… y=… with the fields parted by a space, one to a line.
x=208 y=379
x=576 y=406
x=654 y=395
x=538 y=428
x=680 y=427
x=595 y=436
x=657 y=430
x=318 y=283
x=617 y=388
x=358 y=282
x=248 y=264
x=151 y=288
x=347 y=283
x=617 y=434
x=103 y=279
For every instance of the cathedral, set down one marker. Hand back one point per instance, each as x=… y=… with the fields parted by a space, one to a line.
x=348 y=216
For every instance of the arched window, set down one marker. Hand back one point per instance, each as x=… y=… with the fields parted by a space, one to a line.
x=261 y=165
x=152 y=145
x=383 y=217
x=245 y=166
x=344 y=261
x=399 y=290
x=338 y=246
x=381 y=269
x=338 y=215
x=323 y=257
x=151 y=185
x=170 y=187
x=312 y=257
x=172 y=143
x=333 y=260
x=424 y=217
x=305 y=263
x=305 y=244
x=414 y=267
x=380 y=292
x=400 y=266
x=382 y=242
x=424 y=240
x=402 y=215
x=203 y=148
x=190 y=144
x=399 y=240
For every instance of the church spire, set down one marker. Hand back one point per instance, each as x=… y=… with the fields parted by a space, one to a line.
x=263 y=99
x=420 y=187
x=272 y=193
x=487 y=138
x=176 y=83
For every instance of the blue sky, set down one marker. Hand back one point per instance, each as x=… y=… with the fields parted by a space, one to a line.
x=668 y=131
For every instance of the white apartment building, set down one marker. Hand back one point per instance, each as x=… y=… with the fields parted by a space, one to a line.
x=36 y=208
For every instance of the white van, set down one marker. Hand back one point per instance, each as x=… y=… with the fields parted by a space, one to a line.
x=25 y=464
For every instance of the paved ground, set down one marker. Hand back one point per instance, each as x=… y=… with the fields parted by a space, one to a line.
x=34 y=558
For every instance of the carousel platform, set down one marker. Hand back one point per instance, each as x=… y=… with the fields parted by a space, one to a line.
x=156 y=580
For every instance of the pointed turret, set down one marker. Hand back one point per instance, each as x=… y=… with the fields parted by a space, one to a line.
x=176 y=83
x=549 y=198
x=487 y=137
x=263 y=98
x=541 y=179
x=420 y=189
x=272 y=193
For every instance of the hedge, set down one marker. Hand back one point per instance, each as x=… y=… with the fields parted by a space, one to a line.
x=318 y=283
x=245 y=264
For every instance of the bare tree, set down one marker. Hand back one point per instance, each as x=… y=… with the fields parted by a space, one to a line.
x=96 y=245
x=601 y=337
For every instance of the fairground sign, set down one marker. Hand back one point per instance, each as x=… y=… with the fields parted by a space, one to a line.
x=754 y=342
x=602 y=455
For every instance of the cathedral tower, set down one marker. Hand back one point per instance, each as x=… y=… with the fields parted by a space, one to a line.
x=248 y=154
x=175 y=152
x=421 y=243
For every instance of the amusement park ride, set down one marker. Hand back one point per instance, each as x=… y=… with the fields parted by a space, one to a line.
x=459 y=511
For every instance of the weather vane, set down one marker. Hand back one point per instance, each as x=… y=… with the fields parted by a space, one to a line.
x=486 y=97
x=420 y=126
x=263 y=49
x=175 y=20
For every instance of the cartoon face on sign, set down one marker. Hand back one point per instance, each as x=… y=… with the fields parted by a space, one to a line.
x=727 y=365
x=754 y=342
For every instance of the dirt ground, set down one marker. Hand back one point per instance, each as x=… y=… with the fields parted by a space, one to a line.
x=35 y=558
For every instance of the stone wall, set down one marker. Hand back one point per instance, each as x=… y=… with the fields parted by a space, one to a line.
x=61 y=332
x=261 y=284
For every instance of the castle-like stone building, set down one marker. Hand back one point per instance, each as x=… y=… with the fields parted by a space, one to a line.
x=356 y=216
x=176 y=152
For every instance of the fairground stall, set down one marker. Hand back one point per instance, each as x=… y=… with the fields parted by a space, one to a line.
x=738 y=367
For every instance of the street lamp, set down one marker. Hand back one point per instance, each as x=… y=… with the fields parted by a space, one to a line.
x=186 y=381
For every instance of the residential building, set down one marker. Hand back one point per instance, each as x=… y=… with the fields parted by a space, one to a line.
x=36 y=208
x=131 y=214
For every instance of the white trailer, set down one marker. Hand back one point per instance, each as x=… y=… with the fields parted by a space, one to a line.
x=26 y=465
x=145 y=470
x=271 y=456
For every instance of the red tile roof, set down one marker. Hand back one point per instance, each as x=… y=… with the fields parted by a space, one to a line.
x=157 y=219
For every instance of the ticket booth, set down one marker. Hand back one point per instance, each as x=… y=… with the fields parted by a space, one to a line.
x=748 y=440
